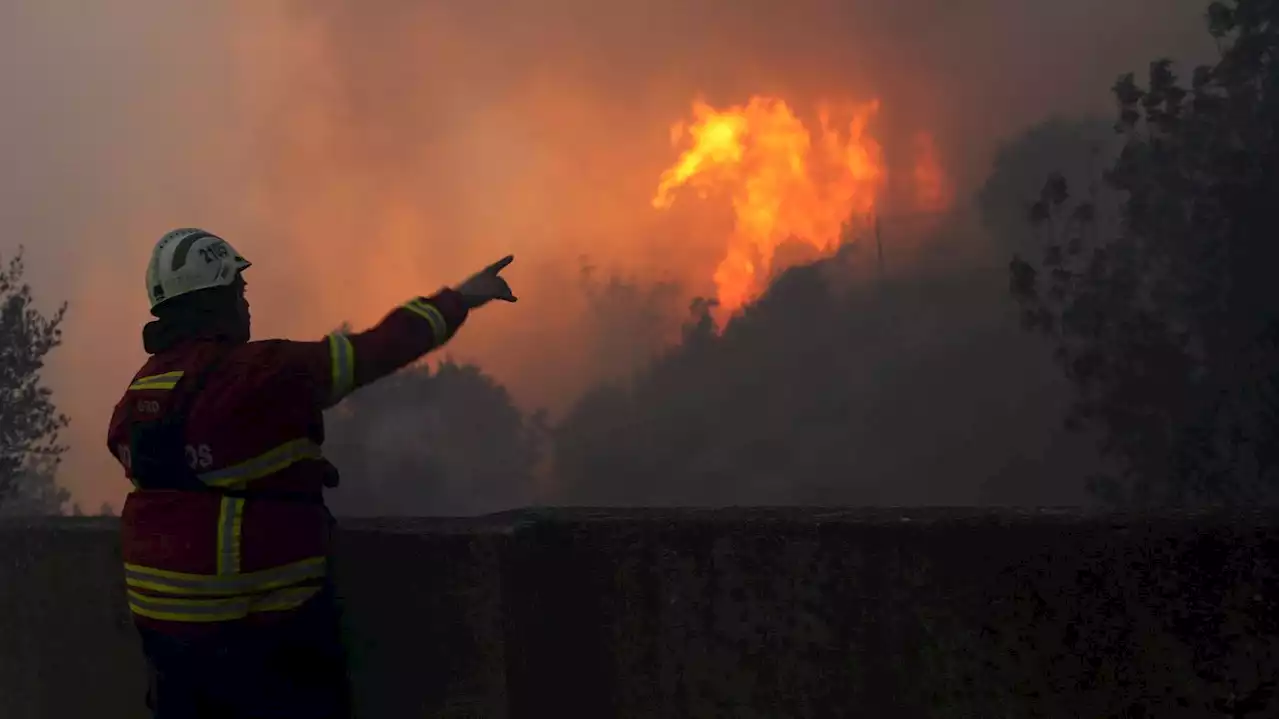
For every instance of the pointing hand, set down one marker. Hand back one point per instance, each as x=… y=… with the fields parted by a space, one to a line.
x=486 y=285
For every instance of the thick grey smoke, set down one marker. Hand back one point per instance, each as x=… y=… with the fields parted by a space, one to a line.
x=362 y=152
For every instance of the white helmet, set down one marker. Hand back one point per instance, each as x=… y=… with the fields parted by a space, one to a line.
x=188 y=260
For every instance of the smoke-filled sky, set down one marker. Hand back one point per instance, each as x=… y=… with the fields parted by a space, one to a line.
x=363 y=152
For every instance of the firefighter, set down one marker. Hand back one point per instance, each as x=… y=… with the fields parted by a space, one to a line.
x=226 y=537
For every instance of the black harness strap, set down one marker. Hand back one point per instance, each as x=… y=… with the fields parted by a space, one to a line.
x=159 y=449
x=158 y=446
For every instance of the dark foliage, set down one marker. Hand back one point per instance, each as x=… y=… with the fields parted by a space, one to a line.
x=449 y=442
x=915 y=390
x=29 y=421
x=1166 y=323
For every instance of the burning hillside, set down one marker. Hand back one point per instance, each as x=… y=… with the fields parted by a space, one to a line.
x=787 y=183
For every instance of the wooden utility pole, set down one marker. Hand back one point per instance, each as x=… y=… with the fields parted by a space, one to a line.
x=879 y=250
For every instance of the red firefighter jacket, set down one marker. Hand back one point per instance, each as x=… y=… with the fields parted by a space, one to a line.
x=195 y=559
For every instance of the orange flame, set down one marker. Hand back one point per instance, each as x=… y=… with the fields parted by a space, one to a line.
x=784 y=185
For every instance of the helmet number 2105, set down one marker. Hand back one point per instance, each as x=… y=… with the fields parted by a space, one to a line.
x=213 y=252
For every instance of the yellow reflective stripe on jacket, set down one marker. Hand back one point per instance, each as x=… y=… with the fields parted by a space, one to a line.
x=267 y=463
x=168 y=380
x=186 y=584
x=219 y=609
x=342 y=361
x=433 y=316
x=230 y=519
x=237 y=476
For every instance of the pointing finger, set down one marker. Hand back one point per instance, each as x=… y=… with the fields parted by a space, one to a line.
x=501 y=264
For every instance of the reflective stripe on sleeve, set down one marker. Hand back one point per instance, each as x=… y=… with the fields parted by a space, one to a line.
x=342 y=363
x=168 y=380
x=267 y=463
x=433 y=316
x=186 y=584
x=230 y=519
x=218 y=609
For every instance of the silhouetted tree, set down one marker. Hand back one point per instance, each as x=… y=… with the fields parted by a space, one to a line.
x=1167 y=327
x=626 y=320
x=904 y=392
x=29 y=421
x=34 y=490
x=1079 y=150
x=449 y=442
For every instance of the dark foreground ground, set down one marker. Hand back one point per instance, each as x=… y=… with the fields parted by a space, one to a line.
x=727 y=613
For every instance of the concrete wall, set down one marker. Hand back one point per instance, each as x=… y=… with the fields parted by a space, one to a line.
x=743 y=613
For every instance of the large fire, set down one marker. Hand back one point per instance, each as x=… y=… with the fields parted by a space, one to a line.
x=786 y=184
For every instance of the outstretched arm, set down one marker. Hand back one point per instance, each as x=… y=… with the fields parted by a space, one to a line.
x=405 y=334
x=342 y=363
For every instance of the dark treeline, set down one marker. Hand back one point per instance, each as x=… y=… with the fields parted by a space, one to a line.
x=1099 y=326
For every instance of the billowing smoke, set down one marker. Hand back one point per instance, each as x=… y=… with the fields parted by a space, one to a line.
x=360 y=153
